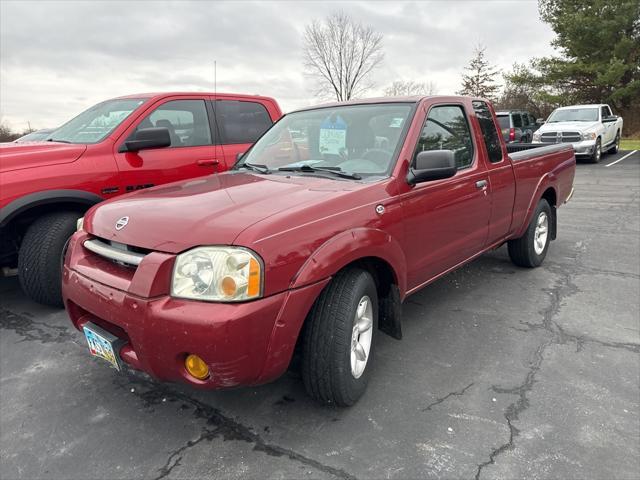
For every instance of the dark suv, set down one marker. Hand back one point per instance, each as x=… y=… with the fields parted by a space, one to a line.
x=517 y=125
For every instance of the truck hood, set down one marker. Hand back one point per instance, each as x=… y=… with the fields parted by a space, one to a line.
x=212 y=210
x=568 y=127
x=16 y=156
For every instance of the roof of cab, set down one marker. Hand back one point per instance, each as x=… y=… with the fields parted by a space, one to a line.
x=171 y=94
x=368 y=101
x=592 y=105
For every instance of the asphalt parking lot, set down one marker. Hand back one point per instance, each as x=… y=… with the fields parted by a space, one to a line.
x=503 y=373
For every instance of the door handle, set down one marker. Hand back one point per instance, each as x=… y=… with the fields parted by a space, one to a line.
x=482 y=184
x=208 y=163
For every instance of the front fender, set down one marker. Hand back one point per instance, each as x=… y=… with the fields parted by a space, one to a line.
x=348 y=247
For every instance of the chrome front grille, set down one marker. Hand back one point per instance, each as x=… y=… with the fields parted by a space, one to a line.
x=560 y=137
x=116 y=252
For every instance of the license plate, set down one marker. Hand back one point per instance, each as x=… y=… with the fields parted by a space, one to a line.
x=102 y=344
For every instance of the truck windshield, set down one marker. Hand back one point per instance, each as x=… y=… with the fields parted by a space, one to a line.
x=574 y=115
x=94 y=124
x=350 y=141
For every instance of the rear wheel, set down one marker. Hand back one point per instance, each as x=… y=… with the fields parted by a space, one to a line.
x=339 y=338
x=597 y=152
x=40 y=256
x=530 y=249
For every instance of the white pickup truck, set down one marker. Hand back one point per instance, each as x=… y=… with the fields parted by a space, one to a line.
x=591 y=129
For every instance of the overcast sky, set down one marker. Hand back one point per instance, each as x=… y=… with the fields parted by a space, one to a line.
x=59 y=57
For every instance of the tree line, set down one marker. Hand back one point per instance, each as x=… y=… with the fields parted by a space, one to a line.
x=597 y=61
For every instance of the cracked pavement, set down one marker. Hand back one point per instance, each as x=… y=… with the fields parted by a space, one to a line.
x=503 y=373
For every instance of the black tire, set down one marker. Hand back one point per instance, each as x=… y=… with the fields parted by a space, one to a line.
x=522 y=251
x=327 y=337
x=616 y=143
x=40 y=256
x=596 y=156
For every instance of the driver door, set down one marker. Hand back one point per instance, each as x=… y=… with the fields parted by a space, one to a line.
x=192 y=153
x=446 y=221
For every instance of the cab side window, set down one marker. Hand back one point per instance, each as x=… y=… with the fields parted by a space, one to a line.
x=241 y=122
x=446 y=128
x=489 y=132
x=186 y=120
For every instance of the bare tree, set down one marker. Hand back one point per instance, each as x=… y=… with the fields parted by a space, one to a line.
x=341 y=54
x=409 y=87
x=479 y=81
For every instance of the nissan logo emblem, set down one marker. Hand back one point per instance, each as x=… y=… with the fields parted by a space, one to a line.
x=121 y=223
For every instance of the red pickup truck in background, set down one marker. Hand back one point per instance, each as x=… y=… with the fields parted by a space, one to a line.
x=117 y=146
x=309 y=244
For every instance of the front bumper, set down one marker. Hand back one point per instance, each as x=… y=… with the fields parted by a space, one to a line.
x=585 y=147
x=243 y=343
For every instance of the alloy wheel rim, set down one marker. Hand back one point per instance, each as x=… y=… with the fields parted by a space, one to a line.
x=361 y=336
x=541 y=233
x=598 y=152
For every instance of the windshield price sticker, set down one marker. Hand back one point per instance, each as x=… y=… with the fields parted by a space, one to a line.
x=333 y=135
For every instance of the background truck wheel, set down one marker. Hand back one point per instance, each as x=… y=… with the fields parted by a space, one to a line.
x=39 y=259
x=597 y=152
x=339 y=337
x=616 y=144
x=530 y=249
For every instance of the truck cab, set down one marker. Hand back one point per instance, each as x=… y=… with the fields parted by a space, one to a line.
x=115 y=147
x=591 y=129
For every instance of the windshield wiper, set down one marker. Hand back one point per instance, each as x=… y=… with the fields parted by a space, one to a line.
x=255 y=167
x=333 y=170
x=57 y=140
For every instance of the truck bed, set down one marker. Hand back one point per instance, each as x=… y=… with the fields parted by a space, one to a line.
x=558 y=160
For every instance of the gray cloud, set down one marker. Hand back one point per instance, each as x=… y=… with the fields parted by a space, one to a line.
x=59 y=57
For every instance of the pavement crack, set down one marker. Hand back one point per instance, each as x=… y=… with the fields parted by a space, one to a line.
x=452 y=394
x=31 y=330
x=175 y=457
x=563 y=288
x=217 y=425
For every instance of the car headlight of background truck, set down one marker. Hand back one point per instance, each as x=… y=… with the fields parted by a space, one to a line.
x=217 y=274
x=589 y=136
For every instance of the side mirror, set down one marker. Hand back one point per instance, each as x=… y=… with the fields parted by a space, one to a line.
x=611 y=118
x=432 y=165
x=239 y=156
x=146 y=138
x=539 y=121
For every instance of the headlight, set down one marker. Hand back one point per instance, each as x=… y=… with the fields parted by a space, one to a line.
x=536 y=137
x=217 y=274
x=589 y=136
x=80 y=224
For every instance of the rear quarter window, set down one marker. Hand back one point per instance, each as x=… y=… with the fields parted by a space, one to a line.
x=241 y=122
x=489 y=132
x=503 y=121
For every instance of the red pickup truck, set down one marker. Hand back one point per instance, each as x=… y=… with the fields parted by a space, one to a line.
x=117 y=146
x=309 y=244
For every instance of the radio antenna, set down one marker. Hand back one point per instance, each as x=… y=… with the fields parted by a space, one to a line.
x=215 y=77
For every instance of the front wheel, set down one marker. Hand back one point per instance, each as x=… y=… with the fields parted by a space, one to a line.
x=597 y=152
x=40 y=256
x=616 y=144
x=530 y=249
x=338 y=339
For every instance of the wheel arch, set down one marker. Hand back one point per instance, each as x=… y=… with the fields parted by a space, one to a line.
x=44 y=201
x=369 y=249
x=546 y=189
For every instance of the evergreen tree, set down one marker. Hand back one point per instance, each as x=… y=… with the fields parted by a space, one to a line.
x=479 y=81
